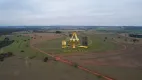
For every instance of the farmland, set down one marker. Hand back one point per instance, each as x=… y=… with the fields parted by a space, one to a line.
x=108 y=53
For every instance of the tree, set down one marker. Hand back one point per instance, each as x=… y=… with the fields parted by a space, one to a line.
x=10 y=54
x=45 y=59
x=1 y=57
x=75 y=65
x=27 y=45
x=70 y=35
x=135 y=40
x=118 y=37
x=58 y=32
x=22 y=51
x=99 y=76
x=6 y=39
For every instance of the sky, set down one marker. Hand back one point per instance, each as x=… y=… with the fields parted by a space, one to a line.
x=71 y=12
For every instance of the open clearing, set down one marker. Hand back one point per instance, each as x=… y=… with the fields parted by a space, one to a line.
x=17 y=69
x=96 y=45
x=114 y=57
x=21 y=68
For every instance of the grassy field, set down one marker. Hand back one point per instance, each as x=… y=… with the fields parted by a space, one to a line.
x=96 y=44
x=21 y=43
x=119 y=73
x=18 y=69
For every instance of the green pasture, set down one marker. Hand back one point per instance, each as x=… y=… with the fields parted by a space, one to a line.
x=96 y=44
x=20 y=45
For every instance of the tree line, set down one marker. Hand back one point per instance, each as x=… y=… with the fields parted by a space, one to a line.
x=135 y=35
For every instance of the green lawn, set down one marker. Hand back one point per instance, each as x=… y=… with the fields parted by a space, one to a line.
x=19 y=45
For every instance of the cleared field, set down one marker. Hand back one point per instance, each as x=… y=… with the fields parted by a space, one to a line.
x=122 y=64
x=21 y=68
x=119 y=73
x=17 y=69
x=96 y=44
x=112 y=57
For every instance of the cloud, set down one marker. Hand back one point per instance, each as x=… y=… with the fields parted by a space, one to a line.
x=70 y=12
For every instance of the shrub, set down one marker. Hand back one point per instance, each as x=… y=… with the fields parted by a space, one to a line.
x=118 y=37
x=22 y=51
x=58 y=32
x=75 y=65
x=27 y=45
x=1 y=56
x=10 y=54
x=45 y=59
x=1 y=59
x=99 y=76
